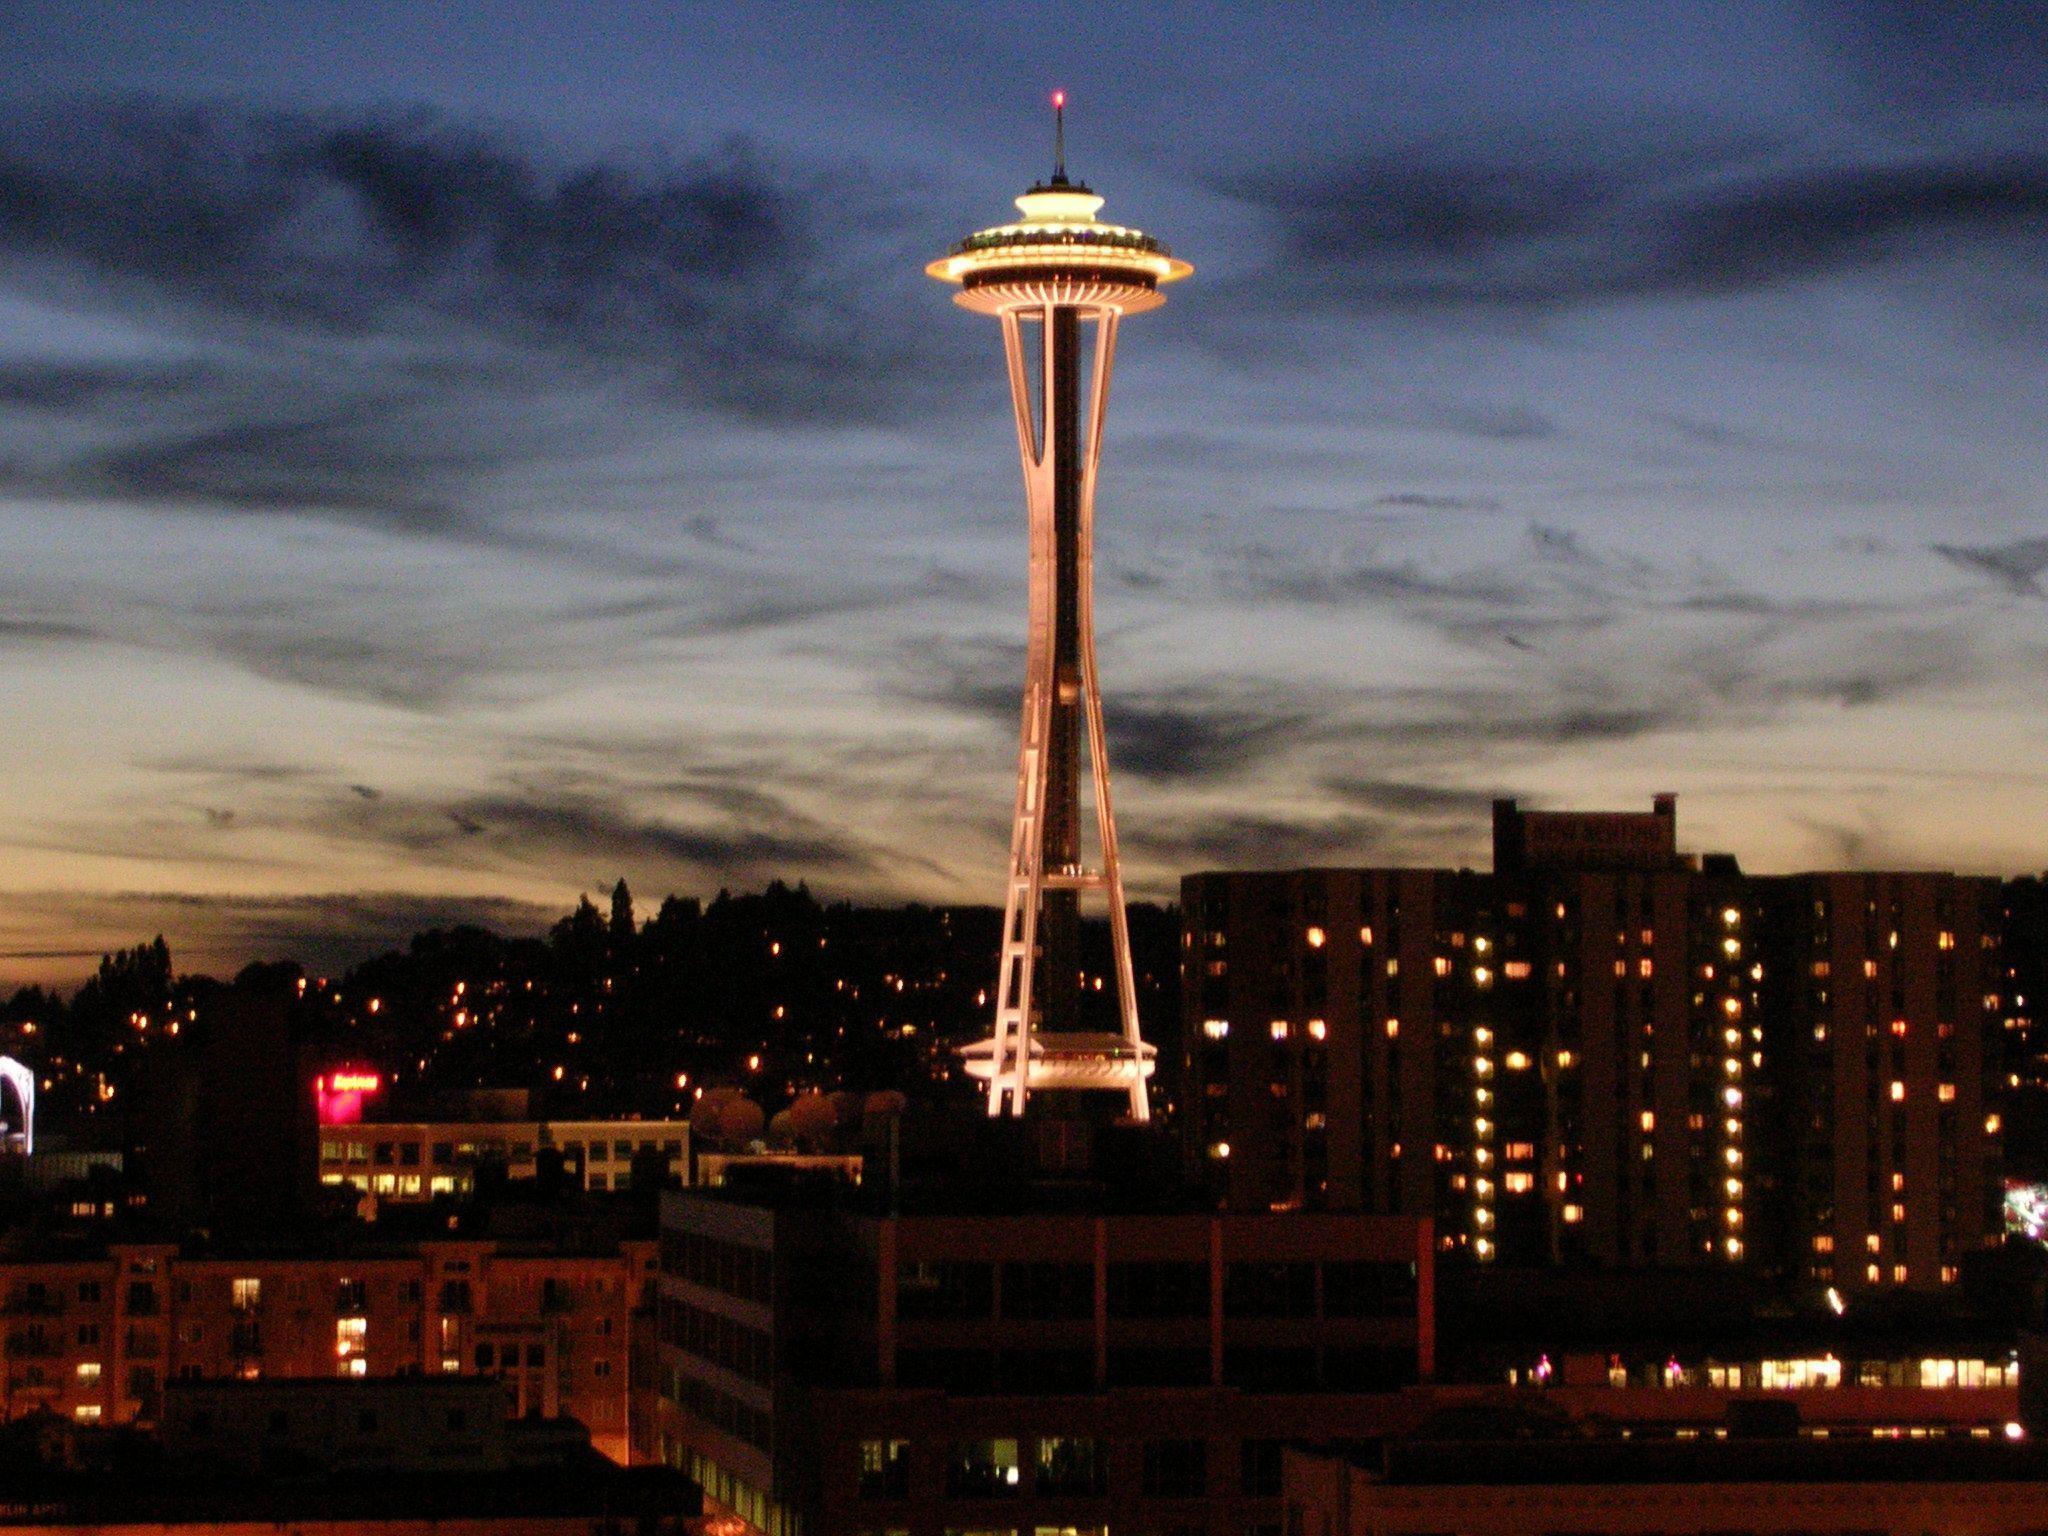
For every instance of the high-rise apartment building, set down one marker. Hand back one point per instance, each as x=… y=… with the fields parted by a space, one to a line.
x=1605 y=1051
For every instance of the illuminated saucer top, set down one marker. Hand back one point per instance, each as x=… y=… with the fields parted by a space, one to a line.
x=1059 y=252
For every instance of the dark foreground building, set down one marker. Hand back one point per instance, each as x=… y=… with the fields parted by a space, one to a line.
x=828 y=1369
x=342 y=1457
x=1707 y=1486
x=1606 y=1053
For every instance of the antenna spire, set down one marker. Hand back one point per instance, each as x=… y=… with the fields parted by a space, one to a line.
x=1059 y=138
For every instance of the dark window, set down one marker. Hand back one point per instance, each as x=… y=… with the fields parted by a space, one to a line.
x=1269 y=1290
x=945 y=1290
x=981 y=1469
x=409 y=1154
x=1175 y=1469
x=486 y=1357
x=1155 y=1366
x=366 y=1421
x=455 y=1296
x=962 y=1371
x=1048 y=1290
x=1367 y=1369
x=1074 y=1465
x=1261 y=1468
x=885 y=1469
x=351 y=1295
x=1158 y=1290
x=1270 y=1368
x=1361 y=1289
x=1045 y=1370
x=141 y=1298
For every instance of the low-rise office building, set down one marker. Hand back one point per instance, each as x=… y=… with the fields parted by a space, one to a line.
x=431 y=1159
x=835 y=1369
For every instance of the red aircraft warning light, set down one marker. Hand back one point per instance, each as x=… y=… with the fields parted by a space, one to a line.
x=340 y=1094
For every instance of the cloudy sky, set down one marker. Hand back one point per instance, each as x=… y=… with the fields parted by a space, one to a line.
x=450 y=457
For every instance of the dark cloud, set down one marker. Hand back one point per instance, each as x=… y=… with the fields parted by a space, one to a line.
x=729 y=274
x=2016 y=566
x=391 y=308
x=1436 y=501
x=1408 y=798
x=67 y=387
x=1237 y=841
x=591 y=827
x=1190 y=739
x=40 y=631
x=325 y=931
x=1679 y=220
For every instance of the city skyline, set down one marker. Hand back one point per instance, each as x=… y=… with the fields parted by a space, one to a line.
x=441 y=474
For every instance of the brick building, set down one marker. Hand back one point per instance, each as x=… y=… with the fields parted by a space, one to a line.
x=94 y=1338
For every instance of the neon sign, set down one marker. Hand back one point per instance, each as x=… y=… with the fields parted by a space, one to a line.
x=340 y=1094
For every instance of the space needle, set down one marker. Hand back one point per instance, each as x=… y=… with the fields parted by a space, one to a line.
x=1052 y=277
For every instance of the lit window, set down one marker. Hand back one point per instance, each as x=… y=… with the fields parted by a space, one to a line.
x=1991 y=1125
x=1824 y=1243
x=1647 y=1120
x=1517 y=1061
x=88 y=1370
x=1216 y=1029
x=1898 y=1211
x=1946 y=1093
x=1872 y=1242
x=1730 y=916
x=1898 y=1274
x=1646 y=966
x=1516 y=970
x=1519 y=1183
x=1317 y=938
x=1574 y=1213
x=1318 y=1030
x=1443 y=965
x=1365 y=937
x=1393 y=1029
x=1898 y=1090
x=1219 y=1150
x=1279 y=1029
x=86 y=1413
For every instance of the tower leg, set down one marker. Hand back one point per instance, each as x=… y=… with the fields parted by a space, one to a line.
x=1038 y=981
